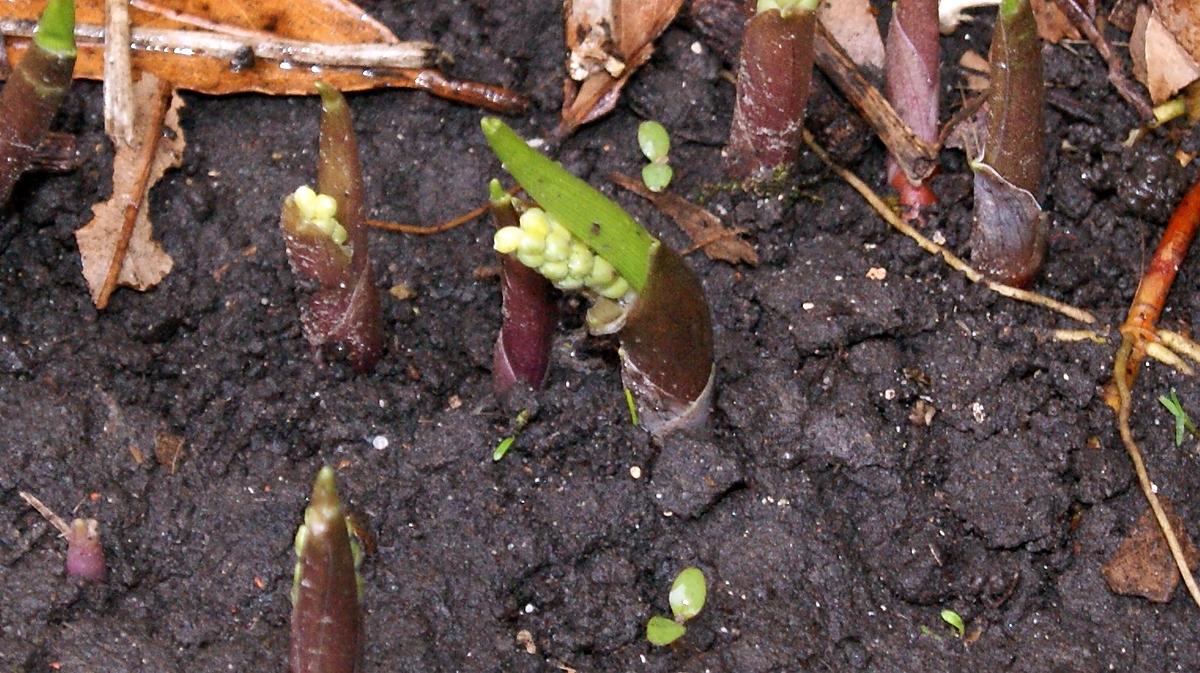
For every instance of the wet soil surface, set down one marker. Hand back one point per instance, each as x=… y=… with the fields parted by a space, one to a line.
x=832 y=527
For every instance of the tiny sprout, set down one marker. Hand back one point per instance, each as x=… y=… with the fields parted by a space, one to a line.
x=502 y=448
x=632 y=404
x=662 y=631
x=655 y=144
x=1183 y=423
x=954 y=620
x=688 y=592
x=657 y=176
x=654 y=141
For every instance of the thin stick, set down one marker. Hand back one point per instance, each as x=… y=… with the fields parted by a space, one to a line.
x=915 y=157
x=1120 y=376
x=149 y=147
x=429 y=230
x=950 y=258
x=1116 y=68
x=227 y=46
x=118 y=74
x=47 y=513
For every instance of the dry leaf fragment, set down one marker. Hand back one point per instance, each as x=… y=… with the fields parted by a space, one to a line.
x=168 y=448
x=853 y=24
x=705 y=229
x=1142 y=565
x=158 y=145
x=1182 y=19
x=976 y=70
x=1159 y=61
x=607 y=40
x=1052 y=25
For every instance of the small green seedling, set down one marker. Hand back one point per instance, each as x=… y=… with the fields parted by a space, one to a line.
x=655 y=144
x=687 y=596
x=506 y=443
x=1183 y=423
x=955 y=621
x=632 y=404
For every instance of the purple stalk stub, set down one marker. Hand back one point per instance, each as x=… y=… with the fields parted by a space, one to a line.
x=28 y=103
x=1008 y=239
x=522 y=351
x=344 y=308
x=326 y=594
x=912 y=83
x=85 y=554
x=667 y=347
x=773 y=85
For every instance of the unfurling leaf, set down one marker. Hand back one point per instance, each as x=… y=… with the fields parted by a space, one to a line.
x=344 y=308
x=158 y=144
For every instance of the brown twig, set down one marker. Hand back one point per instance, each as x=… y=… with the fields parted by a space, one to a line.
x=118 y=73
x=917 y=158
x=47 y=513
x=954 y=261
x=429 y=230
x=149 y=147
x=1116 y=69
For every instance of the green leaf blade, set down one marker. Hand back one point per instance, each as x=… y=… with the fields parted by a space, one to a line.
x=688 y=593
x=662 y=631
x=589 y=215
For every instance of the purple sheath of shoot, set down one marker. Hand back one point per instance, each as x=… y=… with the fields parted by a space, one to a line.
x=667 y=347
x=1008 y=239
x=34 y=91
x=522 y=352
x=912 y=85
x=344 y=307
x=326 y=591
x=85 y=554
x=773 y=84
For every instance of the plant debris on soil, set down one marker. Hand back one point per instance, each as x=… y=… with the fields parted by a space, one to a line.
x=884 y=446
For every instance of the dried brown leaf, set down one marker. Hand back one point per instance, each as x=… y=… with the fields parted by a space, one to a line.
x=705 y=229
x=607 y=40
x=1159 y=61
x=1052 y=25
x=976 y=70
x=853 y=24
x=1182 y=19
x=1142 y=565
x=145 y=262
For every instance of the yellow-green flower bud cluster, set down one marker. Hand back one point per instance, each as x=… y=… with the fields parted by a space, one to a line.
x=542 y=243
x=319 y=210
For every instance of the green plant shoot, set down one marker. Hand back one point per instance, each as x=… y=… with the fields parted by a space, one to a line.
x=657 y=176
x=662 y=631
x=955 y=621
x=1183 y=423
x=633 y=414
x=688 y=592
x=589 y=215
x=654 y=140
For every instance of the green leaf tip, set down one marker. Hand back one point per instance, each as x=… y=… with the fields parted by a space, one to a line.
x=496 y=193
x=590 y=216
x=662 y=631
x=324 y=501
x=331 y=98
x=1010 y=8
x=955 y=621
x=56 y=29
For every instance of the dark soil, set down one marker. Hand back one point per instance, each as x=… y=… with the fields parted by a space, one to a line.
x=832 y=528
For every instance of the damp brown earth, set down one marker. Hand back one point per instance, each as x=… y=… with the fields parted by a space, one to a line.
x=833 y=521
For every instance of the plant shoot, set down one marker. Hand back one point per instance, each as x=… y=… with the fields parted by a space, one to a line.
x=325 y=233
x=34 y=91
x=687 y=596
x=580 y=239
x=326 y=588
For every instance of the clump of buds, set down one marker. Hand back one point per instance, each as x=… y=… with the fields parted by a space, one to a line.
x=542 y=243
